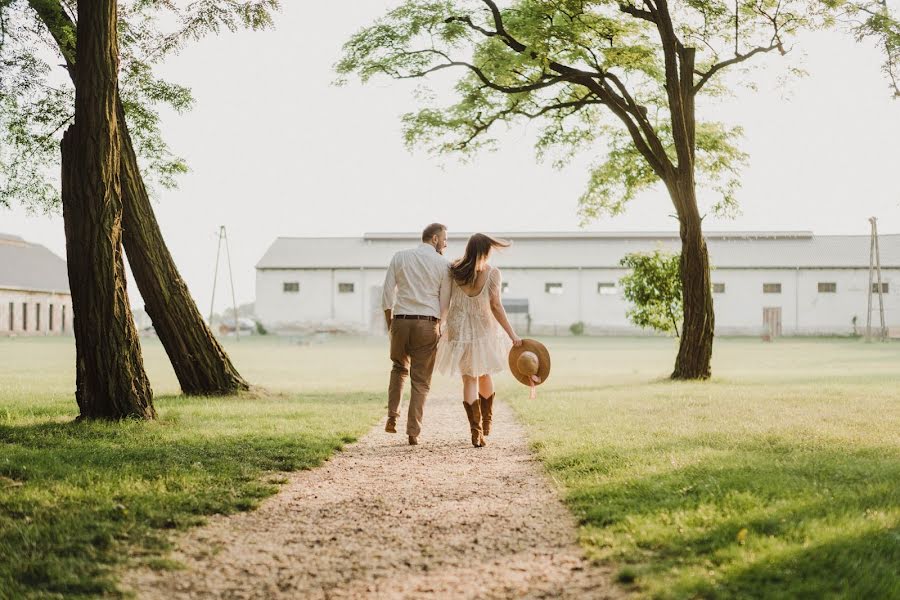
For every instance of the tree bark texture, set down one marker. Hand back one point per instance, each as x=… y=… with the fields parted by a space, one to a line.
x=199 y=361
x=110 y=381
x=698 y=330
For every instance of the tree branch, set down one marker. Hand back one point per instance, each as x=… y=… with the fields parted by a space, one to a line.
x=739 y=58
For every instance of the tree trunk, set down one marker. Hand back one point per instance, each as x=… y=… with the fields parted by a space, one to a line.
x=698 y=329
x=199 y=361
x=110 y=381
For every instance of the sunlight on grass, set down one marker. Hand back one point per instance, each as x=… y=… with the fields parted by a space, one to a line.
x=778 y=479
x=77 y=498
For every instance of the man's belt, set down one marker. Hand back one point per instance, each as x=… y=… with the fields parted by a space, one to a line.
x=416 y=317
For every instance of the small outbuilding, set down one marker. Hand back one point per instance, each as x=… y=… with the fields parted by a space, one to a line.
x=34 y=290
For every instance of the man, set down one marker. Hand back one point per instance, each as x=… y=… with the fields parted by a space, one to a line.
x=416 y=297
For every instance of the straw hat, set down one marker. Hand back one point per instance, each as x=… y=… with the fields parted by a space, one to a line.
x=530 y=362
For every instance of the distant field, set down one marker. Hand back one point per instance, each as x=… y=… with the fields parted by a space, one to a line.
x=778 y=479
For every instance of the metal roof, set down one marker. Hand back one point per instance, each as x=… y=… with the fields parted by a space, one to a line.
x=30 y=267
x=737 y=250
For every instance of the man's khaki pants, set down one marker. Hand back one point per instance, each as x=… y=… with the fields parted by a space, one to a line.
x=413 y=349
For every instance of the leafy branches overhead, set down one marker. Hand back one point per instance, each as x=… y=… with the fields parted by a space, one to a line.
x=37 y=47
x=594 y=75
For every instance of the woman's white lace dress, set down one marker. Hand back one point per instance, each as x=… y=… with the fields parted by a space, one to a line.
x=473 y=342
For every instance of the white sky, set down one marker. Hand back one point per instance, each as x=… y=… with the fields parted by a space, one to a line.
x=275 y=149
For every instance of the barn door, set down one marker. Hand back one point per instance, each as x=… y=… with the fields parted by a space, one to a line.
x=772 y=321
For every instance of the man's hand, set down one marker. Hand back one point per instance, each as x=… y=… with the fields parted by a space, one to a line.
x=388 y=319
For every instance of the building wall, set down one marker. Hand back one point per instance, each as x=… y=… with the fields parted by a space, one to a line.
x=320 y=301
x=29 y=313
x=739 y=309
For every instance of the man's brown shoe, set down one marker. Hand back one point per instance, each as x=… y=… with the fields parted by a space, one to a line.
x=487 y=412
x=391 y=426
x=413 y=440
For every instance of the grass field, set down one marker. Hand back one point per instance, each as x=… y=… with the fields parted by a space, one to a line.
x=77 y=499
x=778 y=479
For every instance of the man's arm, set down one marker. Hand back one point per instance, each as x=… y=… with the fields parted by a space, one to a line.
x=445 y=294
x=388 y=292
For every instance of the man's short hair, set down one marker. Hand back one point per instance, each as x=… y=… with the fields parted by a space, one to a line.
x=432 y=230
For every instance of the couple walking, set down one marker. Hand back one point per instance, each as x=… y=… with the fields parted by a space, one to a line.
x=422 y=291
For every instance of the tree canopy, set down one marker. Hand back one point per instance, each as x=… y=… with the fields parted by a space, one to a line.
x=593 y=74
x=37 y=96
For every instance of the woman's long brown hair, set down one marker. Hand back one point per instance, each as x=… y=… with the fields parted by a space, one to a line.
x=463 y=270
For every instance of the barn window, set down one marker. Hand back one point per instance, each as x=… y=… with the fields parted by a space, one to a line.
x=884 y=288
x=37 y=316
x=24 y=316
x=62 y=317
x=504 y=286
x=771 y=288
x=827 y=287
x=553 y=288
x=605 y=288
x=345 y=288
x=50 y=317
x=718 y=288
x=291 y=287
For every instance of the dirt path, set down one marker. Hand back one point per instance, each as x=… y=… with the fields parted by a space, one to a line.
x=386 y=520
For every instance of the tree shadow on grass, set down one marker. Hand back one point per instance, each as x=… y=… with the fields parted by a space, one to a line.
x=77 y=499
x=759 y=519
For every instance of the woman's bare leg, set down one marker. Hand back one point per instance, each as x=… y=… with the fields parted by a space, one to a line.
x=470 y=389
x=486 y=386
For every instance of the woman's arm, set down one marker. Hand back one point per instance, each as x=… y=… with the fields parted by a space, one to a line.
x=494 y=281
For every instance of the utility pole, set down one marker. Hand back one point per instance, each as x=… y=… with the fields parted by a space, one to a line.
x=875 y=283
x=223 y=236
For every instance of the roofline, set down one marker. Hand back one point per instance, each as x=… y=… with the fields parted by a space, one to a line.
x=545 y=235
x=12 y=288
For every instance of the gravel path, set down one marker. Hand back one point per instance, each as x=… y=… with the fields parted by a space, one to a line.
x=386 y=520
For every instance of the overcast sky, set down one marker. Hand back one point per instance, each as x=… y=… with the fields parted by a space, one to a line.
x=276 y=150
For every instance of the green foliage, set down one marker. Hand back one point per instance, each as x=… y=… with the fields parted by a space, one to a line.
x=591 y=75
x=577 y=328
x=777 y=480
x=654 y=290
x=37 y=97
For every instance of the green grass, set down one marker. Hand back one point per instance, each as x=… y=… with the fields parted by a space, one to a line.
x=79 y=499
x=778 y=479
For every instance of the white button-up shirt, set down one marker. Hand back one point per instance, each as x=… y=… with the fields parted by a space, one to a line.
x=417 y=283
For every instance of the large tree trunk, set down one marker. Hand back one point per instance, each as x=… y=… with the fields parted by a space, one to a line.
x=111 y=382
x=695 y=349
x=199 y=361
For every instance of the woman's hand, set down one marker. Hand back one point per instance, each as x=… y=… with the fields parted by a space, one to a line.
x=516 y=340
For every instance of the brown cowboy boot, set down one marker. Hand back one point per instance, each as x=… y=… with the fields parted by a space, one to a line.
x=473 y=411
x=487 y=412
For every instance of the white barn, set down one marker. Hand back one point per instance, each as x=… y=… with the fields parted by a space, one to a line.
x=791 y=282
x=34 y=290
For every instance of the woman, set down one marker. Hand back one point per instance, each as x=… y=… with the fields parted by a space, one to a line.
x=473 y=343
